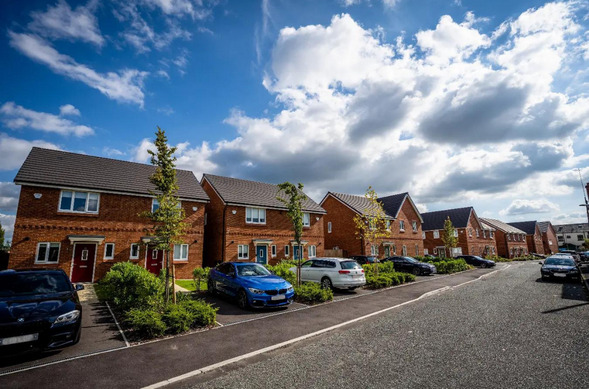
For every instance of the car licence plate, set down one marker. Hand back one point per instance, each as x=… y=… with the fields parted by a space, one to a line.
x=278 y=297
x=559 y=274
x=18 y=339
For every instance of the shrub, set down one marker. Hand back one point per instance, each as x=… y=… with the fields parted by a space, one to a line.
x=497 y=258
x=450 y=266
x=203 y=314
x=178 y=318
x=312 y=293
x=282 y=269
x=384 y=267
x=199 y=274
x=384 y=280
x=146 y=323
x=130 y=286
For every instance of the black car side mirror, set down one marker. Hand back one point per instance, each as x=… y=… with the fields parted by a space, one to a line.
x=540 y=263
x=79 y=287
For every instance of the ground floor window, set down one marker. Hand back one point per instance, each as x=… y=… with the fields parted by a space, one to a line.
x=312 y=251
x=109 y=251
x=134 y=251
x=273 y=250
x=387 y=251
x=404 y=250
x=286 y=251
x=425 y=251
x=394 y=250
x=374 y=250
x=47 y=252
x=180 y=252
x=243 y=251
x=416 y=249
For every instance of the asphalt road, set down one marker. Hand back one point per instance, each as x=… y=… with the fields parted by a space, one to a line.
x=508 y=330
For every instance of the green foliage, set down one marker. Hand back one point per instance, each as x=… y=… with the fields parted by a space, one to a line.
x=450 y=266
x=384 y=280
x=130 y=286
x=198 y=275
x=383 y=267
x=312 y=293
x=450 y=241
x=525 y=258
x=497 y=258
x=371 y=225
x=282 y=269
x=2 y=232
x=203 y=314
x=293 y=200
x=146 y=323
x=177 y=318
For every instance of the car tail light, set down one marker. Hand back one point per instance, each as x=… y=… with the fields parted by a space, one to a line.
x=362 y=270
x=344 y=272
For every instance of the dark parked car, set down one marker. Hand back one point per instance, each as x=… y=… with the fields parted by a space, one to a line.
x=251 y=284
x=558 y=266
x=411 y=265
x=365 y=259
x=475 y=260
x=39 y=309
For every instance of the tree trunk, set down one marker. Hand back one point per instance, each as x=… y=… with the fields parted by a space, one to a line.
x=173 y=283
x=167 y=286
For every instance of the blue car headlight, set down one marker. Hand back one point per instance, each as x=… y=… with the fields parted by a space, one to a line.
x=289 y=289
x=256 y=291
x=67 y=318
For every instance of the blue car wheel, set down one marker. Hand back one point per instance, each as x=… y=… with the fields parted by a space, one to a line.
x=242 y=299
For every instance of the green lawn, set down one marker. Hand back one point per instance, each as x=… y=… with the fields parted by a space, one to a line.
x=189 y=284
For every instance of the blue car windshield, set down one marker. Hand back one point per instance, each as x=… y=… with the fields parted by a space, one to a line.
x=559 y=261
x=252 y=270
x=18 y=284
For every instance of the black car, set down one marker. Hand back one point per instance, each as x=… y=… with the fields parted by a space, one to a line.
x=365 y=259
x=559 y=267
x=39 y=309
x=475 y=260
x=411 y=265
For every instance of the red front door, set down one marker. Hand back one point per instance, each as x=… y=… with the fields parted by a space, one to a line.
x=83 y=266
x=155 y=260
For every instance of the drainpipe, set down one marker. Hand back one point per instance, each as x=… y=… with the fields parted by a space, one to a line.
x=224 y=234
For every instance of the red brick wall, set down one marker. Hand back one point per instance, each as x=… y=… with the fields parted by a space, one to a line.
x=278 y=229
x=550 y=241
x=343 y=233
x=505 y=246
x=37 y=220
x=467 y=240
x=535 y=244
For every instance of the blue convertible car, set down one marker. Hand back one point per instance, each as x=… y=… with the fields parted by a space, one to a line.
x=252 y=284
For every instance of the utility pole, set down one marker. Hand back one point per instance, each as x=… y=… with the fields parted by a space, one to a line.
x=585 y=189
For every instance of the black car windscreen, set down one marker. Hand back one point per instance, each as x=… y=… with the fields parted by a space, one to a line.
x=16 y=284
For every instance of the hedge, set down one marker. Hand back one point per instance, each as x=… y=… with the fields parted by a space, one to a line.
x=450 y=266
x=282 y=269
x=312 y=293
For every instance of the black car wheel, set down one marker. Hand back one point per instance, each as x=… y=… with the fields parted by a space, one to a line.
x=211 y=287
x=242 y=300
x=416 y=271
x=326 y=283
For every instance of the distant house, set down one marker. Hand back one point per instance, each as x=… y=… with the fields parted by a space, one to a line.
x=511 y=241
x=572 y=236
x=533 y=235
x=403 y=218
x=245 y=222
x=549 y=239
x=82 y=214
x=473 y=237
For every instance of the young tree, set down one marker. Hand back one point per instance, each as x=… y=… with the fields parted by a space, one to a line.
x=294 y=203
x=168 y=218
x=371 y=225
x=450 y=241
x=2 y=232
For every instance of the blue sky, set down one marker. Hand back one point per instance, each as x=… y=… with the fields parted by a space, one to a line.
x=458 y=102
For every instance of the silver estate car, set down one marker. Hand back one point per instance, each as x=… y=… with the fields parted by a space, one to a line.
x=341 y=273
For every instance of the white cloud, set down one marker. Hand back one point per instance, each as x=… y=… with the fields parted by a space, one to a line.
x=60 y=21
x=112 y=152
x=15 y=116
x=69 y=109
x=125 y=86
x=8 y=225
x=14 y=151
x=9 y=193
x=140 y=153
x=527 y=207
x=180 y=8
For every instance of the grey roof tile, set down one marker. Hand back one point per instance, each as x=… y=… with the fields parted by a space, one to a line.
x=544 y=226
x=501 y=226
x=72 y=170
x=244 y=192
x=435 y=220
x=529 y=227
x=571 y=228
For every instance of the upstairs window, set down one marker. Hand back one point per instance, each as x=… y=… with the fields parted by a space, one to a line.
x=329 y=227
x=82 y=202
x=414 y=226
x=255 y=215
x=491 y=234
x=401 y=225
x=306 y=220
x=455 y=233
x=422 y=235
x=484 y=234
x=436 y=234
x=155 y=205
x=388 y=225
x=478 y=234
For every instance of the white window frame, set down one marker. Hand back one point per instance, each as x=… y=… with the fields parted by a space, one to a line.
x=414 y=226
x=45 y=260
x=485 y=234
x=417 y=250
x=402 y=225
x=153 y=203
x=312 y=251
x=388 y=225
x=422 y=234
x=131 y=251
x=436 y=234
x=287 y=251
x=71 y=209
x=329 y=227
x=243 y=252
x=404 y=250
x=455 y=233
x=183 y=254
x=273 y=250
x=113 y=251
x=306 y=219
x=373 y=249
x=478 y=234
x=250 y=210
x=491 y=233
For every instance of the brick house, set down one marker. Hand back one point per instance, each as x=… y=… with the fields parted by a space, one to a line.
x=245 y=222
x=404 y=225
x=511 y=241
x=549 y=239
x=80 y=213
x=533 y=235
x=473 y=237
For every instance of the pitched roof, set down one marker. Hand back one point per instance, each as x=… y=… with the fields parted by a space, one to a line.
x=435 y=220
x=529 y=227
x=78 y=171
x=571 y=228
x=499 y=225
x=359 y=204
x=544 y=226
x=392 y=204
x=236 y=191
